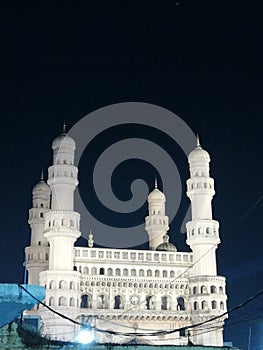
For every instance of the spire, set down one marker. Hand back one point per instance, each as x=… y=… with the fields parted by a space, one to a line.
x=197 y=141
x=64 y=127
x=155 y=183
x=42 y=175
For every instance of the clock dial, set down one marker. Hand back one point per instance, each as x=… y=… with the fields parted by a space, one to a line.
x=134 y=299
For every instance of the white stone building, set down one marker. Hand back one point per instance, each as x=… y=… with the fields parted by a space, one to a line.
x=125 y=290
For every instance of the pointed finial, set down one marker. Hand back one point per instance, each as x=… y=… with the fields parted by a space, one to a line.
x=64 y=127
x=42 y=175
x=197 y=141
x=155 y=183
x=90 y=240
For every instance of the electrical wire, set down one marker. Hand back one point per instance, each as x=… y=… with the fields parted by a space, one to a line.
x=146 y=334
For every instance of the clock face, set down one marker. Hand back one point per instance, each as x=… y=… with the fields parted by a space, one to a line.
x=134 y=299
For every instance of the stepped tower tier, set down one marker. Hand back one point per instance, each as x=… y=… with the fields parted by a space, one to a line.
x=37 y=254
x=156 y=223
x=207 y=290
x=61 y=231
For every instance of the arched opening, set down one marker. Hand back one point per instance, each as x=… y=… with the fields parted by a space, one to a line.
x=203 y=289
x=148 y=302
x=149 y=273
x=62 y=285
x=102 y=302
x=157 y=273
x=72 y=285
x=51 y=301
x=172 y=274
x=141 y=273
x=85 y=301
x=93 y=271
x=72 y=302
x=62 y=301
x=125 y=272
x=117 y=302
x=133 y=272
x=221 y=290
x=204 y=305
x=222 y=305
x=194 y=290
x=180 y=304
x=164 y=303
x=165 y=274
x=213 y=289
x=195 y=305
x=117 y=272
x=102 y=271
x=214 y=305
x=110 y=271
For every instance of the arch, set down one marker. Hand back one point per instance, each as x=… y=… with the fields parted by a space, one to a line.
x=72 y=302
x=71 y=222
x=64 y=222
x=221 y=290
x=180 y=304
x=164 y=303
x=141 y=273
x=193 y=231
x=62 y=285
x=204 y=305
x=117 y=272
x=85 y=302
x=102 y=301
x=157 y=273
x=102 y=271
x=109 y=271
x=149 y=273
x=195 y=305
x=214 y=305
x=94 y=271
x=165 y=273
x=194 y=290
x=133 y=272
x=208 y=230
x=118 y=302
x=86 y=270
x=172 y=274
x=72 y=285
x=213 y=289
x=222 y=306
x=148 y=302
x=51 y=301
x=62 y=301
x=203 y=289
x=125 y=272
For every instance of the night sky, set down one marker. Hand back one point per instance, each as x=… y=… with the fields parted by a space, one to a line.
x=200 y=59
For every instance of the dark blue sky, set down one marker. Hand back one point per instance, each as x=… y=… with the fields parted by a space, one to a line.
x=200 y=59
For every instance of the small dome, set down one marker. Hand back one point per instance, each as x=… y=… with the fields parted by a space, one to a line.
x=41 y=187
x=198 y=154
x=63 y=140
x=156 y=195
x=166 y=245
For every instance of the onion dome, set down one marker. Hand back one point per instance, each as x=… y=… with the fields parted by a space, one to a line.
x=63 y=141
x=198 y=154
x=166 y=245
x=42 y=186
x=156 y=195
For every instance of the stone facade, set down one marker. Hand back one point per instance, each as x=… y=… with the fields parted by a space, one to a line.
x=125 y=290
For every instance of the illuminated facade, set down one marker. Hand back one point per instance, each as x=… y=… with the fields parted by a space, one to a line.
x=125 y=290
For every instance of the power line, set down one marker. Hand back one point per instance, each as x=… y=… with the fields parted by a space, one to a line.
x=147 y=334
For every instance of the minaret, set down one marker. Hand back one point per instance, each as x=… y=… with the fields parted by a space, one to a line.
x=156 y=223
x=61 y=231
x=37 y=253
x=202 y=230
x=207 y=290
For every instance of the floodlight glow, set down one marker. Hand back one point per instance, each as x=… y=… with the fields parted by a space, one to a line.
x=85 y=336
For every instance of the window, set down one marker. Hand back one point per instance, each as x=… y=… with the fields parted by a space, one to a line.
x=157 y=273
x=149 y=273
x=51 y=301
x=180 y=304
x=172 y=274
x=110 y=271
x=102 y=271
x=117 y=302
x=213 y=289
x=85 y=301
x=165 y=274
x=133 y=272
x=62 y=301
x=214 y=305
x=204 y=305
x=164 y=303
x=125 y=272
x=148 y=302
x=117 y=272
x=72 y=285
x=72 y=302
x=141 y=273
x=194 y=290
x=203 y=289
x=195 y=305
x=62 y=285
